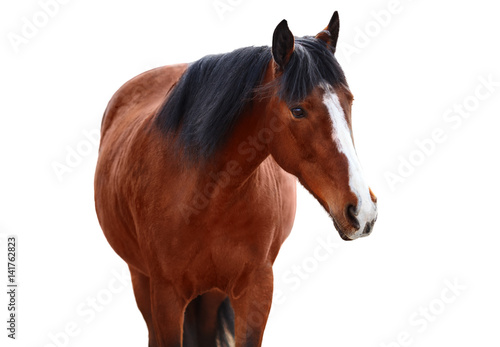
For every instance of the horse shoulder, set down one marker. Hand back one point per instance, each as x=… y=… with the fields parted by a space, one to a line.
x=123 y=151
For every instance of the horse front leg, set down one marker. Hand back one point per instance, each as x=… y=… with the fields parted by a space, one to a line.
x=167 y=309
x=252 y=306
x=142 y=292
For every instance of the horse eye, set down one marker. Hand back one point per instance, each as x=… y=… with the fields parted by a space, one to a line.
x=297 y=112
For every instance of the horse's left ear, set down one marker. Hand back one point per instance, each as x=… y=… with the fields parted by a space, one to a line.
x=331 y=33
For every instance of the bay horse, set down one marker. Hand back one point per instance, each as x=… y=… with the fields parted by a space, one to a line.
x=195 y=185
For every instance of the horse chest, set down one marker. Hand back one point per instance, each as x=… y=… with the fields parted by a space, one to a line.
x=257 y=222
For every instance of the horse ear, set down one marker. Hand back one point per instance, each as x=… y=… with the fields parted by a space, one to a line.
x=331 y=33
x=283 y=44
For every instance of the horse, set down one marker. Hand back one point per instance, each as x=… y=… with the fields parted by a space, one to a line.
x=195 y=184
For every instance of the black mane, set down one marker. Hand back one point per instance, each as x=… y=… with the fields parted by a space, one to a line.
x=205 y=104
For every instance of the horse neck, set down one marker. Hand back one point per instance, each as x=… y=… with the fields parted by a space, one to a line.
x=245 y=149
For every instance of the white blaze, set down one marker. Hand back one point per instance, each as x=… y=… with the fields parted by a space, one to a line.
x=342 y=137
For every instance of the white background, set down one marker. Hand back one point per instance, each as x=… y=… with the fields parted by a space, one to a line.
x=437 y=225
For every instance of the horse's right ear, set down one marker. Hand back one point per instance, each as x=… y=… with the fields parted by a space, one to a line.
x=283 y=44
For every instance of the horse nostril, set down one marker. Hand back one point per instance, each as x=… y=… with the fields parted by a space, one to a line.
x=368 y=229
x=351 y=214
